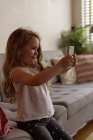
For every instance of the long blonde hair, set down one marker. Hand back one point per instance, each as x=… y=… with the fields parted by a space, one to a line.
x=16 y=41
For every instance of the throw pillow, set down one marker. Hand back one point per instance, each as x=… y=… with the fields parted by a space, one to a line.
x=84 y=68
x=68 y=77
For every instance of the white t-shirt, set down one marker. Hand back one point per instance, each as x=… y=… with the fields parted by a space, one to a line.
x=33 y=102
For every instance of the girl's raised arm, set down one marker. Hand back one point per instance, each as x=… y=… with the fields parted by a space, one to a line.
x=19 y=76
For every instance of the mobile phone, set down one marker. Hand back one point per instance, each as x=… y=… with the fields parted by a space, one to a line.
x=71 y=50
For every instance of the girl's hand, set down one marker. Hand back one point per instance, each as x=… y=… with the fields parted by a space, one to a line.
x=75 y=59
x=67 y=62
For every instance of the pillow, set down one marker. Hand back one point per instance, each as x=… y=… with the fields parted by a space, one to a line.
x=84 y=68
x=68 y=77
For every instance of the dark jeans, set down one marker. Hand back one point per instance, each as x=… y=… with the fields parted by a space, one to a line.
x=44 y=129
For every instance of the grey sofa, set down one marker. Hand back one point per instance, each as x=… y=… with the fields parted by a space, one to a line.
x=73 y=103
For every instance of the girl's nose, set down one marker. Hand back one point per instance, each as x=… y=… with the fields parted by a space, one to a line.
x=36 y=52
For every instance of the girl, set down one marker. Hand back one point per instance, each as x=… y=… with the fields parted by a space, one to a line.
x=25 y=80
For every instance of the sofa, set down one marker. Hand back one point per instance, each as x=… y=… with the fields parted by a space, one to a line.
x=73 y=102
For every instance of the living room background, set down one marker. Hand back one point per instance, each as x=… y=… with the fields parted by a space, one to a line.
x=48 y=18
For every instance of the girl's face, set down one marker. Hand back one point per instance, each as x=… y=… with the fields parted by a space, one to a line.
x=30 y=52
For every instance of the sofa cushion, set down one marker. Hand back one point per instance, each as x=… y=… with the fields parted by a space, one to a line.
x=48 y=56
x=73 y=97
x=12 y=123
x=12 y=107
x=84 y=68
x=16 y=134
x=10 y=114
x=60 y=113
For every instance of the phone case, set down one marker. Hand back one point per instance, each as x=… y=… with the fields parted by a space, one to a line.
x=71 y=50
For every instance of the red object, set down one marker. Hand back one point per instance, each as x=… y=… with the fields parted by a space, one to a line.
x=4 y=126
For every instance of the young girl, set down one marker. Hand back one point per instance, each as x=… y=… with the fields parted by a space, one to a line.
x=25 y=79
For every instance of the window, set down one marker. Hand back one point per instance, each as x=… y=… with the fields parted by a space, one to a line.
x=87 y=18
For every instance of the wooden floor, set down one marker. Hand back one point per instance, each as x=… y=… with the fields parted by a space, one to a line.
x=83 y=133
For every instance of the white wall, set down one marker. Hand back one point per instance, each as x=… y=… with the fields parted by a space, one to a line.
x=76 y=12
x=47 y=17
